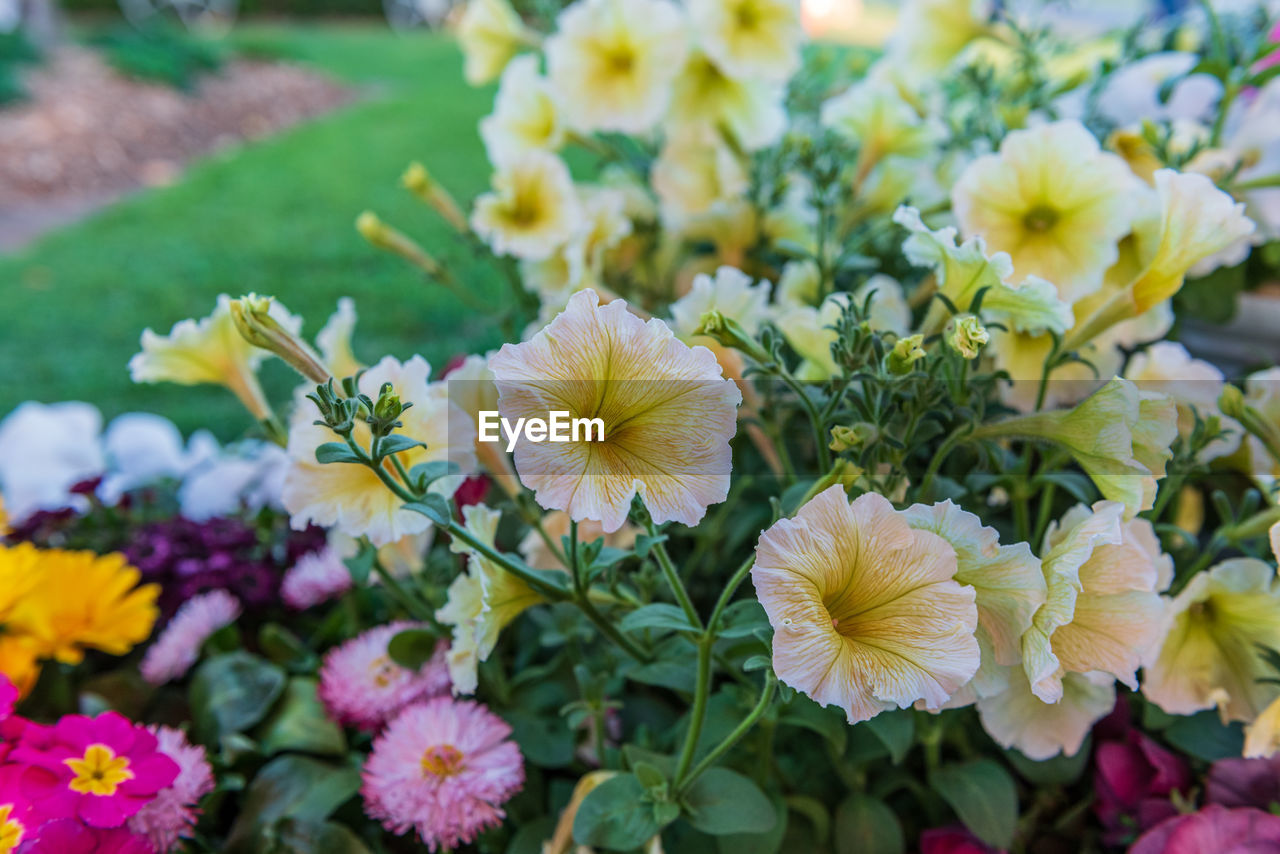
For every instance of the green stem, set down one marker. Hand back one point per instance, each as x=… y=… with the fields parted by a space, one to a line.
x=416 y=607
x=948 y=445
x=713 y=622
x=699 y=712
x=1264 y=183
x=659 y=550
x=815 y=417
x=770 y=682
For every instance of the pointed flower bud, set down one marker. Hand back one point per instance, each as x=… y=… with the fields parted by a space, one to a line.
x=420 y=182
x=968 y=336
x=253 y=320
x=729 y=333
x=904 y=355
x=385 y=237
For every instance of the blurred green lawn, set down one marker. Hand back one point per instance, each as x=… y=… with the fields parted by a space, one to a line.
x=275 y=217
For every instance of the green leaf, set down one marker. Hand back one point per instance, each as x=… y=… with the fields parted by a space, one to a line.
x=291 y=787
x=360 y=565
x=425 y=474
x=659 y=615
x=742 y=619
x=984 y=797
x=1204 y=736
x=649 y=775
x=756 y=662
x=298 y=723
x=337 y=452
x=769 y=842
x=543 y=739
x=644 y=542
x=434 y=507
x=284 y=647
x=326 y=837
x=615 y=815
x=1058 y=771
x=865 y=825
x=828 y=722
x=1077 y=485
x=896 y=730
x=412 y=648
x=397 y=443
x=232 y=692
x=665 y=673
x=721 y=801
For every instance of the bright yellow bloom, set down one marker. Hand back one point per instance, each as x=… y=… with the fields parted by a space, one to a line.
x=866 y=611
x=705 y=96
x=18 y=662
x=1054 y=201
x=750 y=38
x=79 y=601
x=612 y=62
x=351 y=497
x=210 y=350
x=1209 y=655
x=490 y=33
x=668 y=415
x=99 y=772
x=525 y=116
x=533 y=209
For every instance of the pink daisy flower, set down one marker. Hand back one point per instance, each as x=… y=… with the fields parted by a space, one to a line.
x=178 y=646
x=172 y=815
x=360 y=685
x=68 y=836
x=316 y=577
x=100 y=770
x=443 y=768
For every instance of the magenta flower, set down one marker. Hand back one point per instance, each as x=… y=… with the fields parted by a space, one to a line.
x=99 y=770
x=178 y=646
x=361 y=686
x=68 y=836
x=172 y=814
x=16 y=821
x=1134 y=778
x=316 y=577
x=8 y=697
x=1213 y=830
x=443 y=768
x=1244 y=783
x=953 y=839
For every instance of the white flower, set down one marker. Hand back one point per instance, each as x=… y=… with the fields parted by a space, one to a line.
x=45 y=449
x=490 y=33
x=612 y=62
x=730 y=292
x=142 y=449
x=524 y=117
x=1019 y=719
x=696 y=177
x=1132 y=94
x=750 y=38
x=249 y=476
x=533 y=209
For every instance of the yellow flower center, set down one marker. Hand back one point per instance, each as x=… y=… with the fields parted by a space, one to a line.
x=747 y=16
x=1040 y=218
x=441 y=760
x=10 y=829
x=99 y=772
x=620 y=60
x=383 y=670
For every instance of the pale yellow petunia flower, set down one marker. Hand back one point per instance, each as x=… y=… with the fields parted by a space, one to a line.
x=750 y=38
x=533 y=209
x=750 y=110
x=490 y=34
x=668 y=415
x=1017 y=718
x=525 y=116
x=1262 y=737
x=866 y=611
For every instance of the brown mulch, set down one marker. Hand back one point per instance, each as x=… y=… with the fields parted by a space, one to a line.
x=89 y=133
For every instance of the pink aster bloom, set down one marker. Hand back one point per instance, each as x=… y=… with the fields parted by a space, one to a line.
x=316 y=577
x=68 y=836
x=100 y=770
x=360 y=685
x=178 y=647
x=443 y=768
x=1214 y=829
x=172 y=815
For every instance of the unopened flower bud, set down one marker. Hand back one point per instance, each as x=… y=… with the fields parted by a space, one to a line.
x=845 y=438
x=1233 y=405
x=419 y=181
x=729 y=333
x=388 y=407
x=385 y=237
x=253 y=320
x=901 y=360
x=968 y=336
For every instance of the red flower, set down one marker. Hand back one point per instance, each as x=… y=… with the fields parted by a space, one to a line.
x=1213 y=830
x=953 y=839
x=1134 y=778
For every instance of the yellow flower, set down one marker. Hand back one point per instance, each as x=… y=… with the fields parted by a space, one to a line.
x=1262 y=737
x=18 y=662
x=931 y=33
x=349 y=496
x=866 y=611
x=1007 y=582
x=750 y=38
x=612 y=62
x=525 y=117
x=667 y=411
x=482 y=606
x=1054 y=201
x=210 y=350
x=873 y=114
x=490 y=33
x=697 y=179
x=1017 y=718
x=533 y=209
x=1209 y=654
x=1103 y=611
x=705 y=96
x=78 y=601
x=334 y=341
x=962 y=271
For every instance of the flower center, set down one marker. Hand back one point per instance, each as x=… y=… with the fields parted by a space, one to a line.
x=747 y=16
x=1040 y=218
x=10 y=829
x=383 y=670
x=620 y=60
x=99 y=772
x=441 y=760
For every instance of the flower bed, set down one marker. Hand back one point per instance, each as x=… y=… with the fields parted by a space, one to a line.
x=908 y=523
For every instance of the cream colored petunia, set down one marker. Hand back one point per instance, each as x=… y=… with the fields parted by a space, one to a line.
x=210 y=350
x=580 y=263
x=471 y=389
x=350 y=497
x=750 y=110
x=1007 y=582
x=731 y=292
x=1262 y=737
x=1193 y=384
x=532 y=210
x=334 y=341
x=490 y=34
x=874 y=114
x=696 y=178
x=931 y=33
x=1209 y=654
x=1017 y=718
x=750 y=38
x=613 y=62
x=667 y=410
x=1103 y=610
x=866 y=611
x=525 y=116
x=1054 y=201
